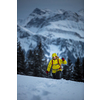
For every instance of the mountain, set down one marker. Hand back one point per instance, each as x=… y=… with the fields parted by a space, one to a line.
x=81 y=12
x=36 y=88
x=60 y=32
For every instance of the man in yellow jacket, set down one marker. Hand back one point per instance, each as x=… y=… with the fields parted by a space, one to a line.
x=56 y=66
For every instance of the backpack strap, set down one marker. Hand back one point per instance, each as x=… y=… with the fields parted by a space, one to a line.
x=58 y=63
x=52 y=62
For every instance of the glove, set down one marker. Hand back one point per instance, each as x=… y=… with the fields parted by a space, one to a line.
x=47 y=72
x=60 y=68
x=63 y=59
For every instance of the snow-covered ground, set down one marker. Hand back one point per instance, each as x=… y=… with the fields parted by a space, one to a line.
x=36 y=88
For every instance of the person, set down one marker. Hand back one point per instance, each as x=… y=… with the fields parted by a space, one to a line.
x=55 y=62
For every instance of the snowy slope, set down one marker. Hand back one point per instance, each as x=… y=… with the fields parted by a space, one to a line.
x=35 y=88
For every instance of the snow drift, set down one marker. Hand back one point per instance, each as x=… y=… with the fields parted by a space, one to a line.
x=35 y=88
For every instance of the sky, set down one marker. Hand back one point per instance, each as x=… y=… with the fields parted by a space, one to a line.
x=25 y=7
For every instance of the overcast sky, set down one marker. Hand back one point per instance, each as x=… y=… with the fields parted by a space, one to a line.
x=25 y=7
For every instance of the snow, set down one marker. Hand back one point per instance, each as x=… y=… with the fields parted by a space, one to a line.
x=53 y=49
x=25 y=29
x=54 y=35
x=64 y=28
x=81 y=12
x=36 y=88
x=25 y=43
x=33 y=29
x=68 y=26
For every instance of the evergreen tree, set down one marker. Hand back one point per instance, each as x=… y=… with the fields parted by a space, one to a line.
x=82 y=70
x=64 y=71
x=69 y=69
x=69 y=62
x=30 y=62
x=77 y=71
x=39 y=61
x=20 y=59
x=36 y=62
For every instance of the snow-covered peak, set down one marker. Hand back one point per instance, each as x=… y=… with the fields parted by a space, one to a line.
x=47 y=10
x=81 y=12
x=39 y=11
x=51 y=26
x=59 y=11
x=48 y=15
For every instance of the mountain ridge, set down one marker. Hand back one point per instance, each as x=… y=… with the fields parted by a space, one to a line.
x=61 y=32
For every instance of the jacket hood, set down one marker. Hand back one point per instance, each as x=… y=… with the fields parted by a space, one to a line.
x=54 y=54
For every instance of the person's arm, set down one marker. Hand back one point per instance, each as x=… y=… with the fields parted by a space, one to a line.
x=49 y=66
x=64 y=61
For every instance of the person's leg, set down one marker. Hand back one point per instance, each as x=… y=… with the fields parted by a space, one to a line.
x=54 y=75
x=58 y=75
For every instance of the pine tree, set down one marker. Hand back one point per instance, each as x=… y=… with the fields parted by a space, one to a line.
x=36 y=63
x=39 y=61
x=69 y=69
x=20 y=59
x=82 y=70
x=65 y=71
x=30 y=62
x=77 y=70
x=69 y=62
x=67 y=74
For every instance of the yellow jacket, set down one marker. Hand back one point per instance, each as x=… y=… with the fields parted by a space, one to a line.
x=55 y=66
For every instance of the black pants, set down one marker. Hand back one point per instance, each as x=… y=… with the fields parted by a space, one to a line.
x=57 y=75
